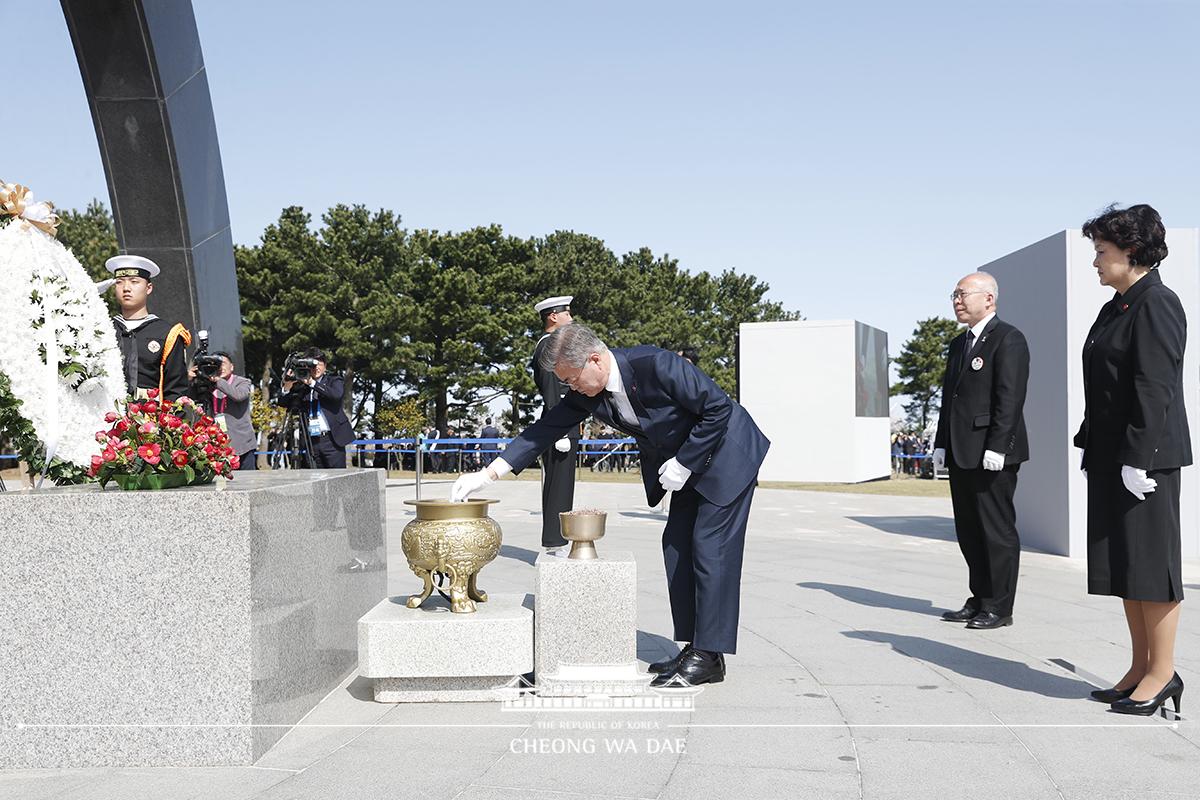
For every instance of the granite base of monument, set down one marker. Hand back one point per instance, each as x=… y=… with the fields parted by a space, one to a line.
x=430 y=654
x=586 y=613
x=185 y=627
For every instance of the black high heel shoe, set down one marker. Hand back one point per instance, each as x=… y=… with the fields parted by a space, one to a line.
x=1144 y=708
x=1112 y=695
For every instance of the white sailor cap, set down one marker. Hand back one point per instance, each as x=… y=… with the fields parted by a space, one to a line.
x=131 y=267
x=554 y=303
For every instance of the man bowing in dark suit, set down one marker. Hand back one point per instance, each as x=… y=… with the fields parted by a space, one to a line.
x=692 y=440
x=981 y=436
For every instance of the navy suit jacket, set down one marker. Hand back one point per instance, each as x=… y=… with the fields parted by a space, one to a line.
x=683 y=414
x=327 y=391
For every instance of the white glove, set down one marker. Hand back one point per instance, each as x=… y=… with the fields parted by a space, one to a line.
x=471 y=482
x=672 y=475
x=993 y=461
x=939 y=458
x=1137 y=483
x=563 y=445
x=468 y=484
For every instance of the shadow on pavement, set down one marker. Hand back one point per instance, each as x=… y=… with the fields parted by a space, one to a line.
x=518 y=553
x=870 y=597
x=361 y=689
x=970 y=664
x=927 y=527
x=652 y=647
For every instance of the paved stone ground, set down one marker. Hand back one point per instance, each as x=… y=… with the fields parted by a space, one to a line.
x=845 y=685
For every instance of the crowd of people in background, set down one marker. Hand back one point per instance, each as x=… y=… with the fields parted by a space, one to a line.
x=442 y=456
x=910 y=454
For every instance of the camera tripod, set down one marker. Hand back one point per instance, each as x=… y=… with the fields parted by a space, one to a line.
x=294 y=434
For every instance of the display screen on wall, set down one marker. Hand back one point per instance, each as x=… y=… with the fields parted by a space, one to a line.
x=871 y=371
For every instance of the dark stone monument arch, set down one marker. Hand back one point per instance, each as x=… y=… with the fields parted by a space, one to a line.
x=147 y=88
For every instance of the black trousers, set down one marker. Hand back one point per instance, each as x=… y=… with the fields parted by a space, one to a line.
x=985 y=522
x=702 y=550
x=248 y=459
x=326 y=454
x=558 y=491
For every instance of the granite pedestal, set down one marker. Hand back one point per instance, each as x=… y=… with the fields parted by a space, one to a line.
x=586 y=612
x=430 y=654
x=187 y=627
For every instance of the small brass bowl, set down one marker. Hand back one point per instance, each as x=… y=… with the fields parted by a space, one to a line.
x=582 y=530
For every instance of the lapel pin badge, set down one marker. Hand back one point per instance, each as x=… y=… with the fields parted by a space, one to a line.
x=977 y=363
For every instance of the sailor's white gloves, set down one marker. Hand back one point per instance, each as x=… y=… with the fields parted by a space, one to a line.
x=1136 y=482
x=563 y=445
x=939 y=458
x=993 y=461
x=672 y=475
x=471 y=482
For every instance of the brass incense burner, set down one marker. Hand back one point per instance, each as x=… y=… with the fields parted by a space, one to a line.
x=582 y=529
x=451 y=539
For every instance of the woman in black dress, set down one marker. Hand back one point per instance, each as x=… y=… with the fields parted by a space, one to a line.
x=1134 y=439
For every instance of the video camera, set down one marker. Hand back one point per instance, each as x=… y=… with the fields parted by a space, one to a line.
x=208 y=365
x=298 y=366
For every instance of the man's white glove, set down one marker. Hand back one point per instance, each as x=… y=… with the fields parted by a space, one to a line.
x=672 y=475
x=563 y=445
x=471 y=482
x=939 y=458
x=1137 y=483
x=993 y=461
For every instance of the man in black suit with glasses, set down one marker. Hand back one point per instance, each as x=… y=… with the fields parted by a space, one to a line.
x=981 y=436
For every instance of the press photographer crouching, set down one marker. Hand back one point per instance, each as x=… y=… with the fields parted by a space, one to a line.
x=315 y=396
x=226 y=398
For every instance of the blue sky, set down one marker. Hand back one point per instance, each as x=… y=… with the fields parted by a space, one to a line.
x=860 y=157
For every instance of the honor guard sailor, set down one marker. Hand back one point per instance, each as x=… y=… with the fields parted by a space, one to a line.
x=152 y=349
x=558 y=463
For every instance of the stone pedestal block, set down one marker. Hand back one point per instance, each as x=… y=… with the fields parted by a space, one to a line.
x=586 y=611
x=429 y=654
x=185 y=627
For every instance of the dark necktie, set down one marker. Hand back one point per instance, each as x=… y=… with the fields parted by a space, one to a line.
x=966 y=359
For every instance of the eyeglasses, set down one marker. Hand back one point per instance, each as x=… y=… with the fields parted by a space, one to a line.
x=571 y=381
x=959 y=294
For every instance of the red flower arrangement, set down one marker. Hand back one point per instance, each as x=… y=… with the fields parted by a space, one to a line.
x=152 y=445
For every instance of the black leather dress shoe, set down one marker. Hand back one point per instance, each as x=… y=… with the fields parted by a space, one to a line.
x=1112 y=695
x=964 y=614
x=659 y=667
x=987 y=620
x=694 y=668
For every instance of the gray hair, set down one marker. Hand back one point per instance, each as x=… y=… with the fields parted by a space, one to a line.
x=571 y=345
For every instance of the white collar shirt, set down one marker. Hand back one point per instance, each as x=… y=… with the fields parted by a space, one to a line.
x=977 y=329
x=616 y=392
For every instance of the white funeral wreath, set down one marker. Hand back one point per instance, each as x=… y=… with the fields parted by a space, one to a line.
x=60 y=370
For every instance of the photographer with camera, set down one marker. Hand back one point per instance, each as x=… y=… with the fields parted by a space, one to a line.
x=226 y=398
x=316 y=396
